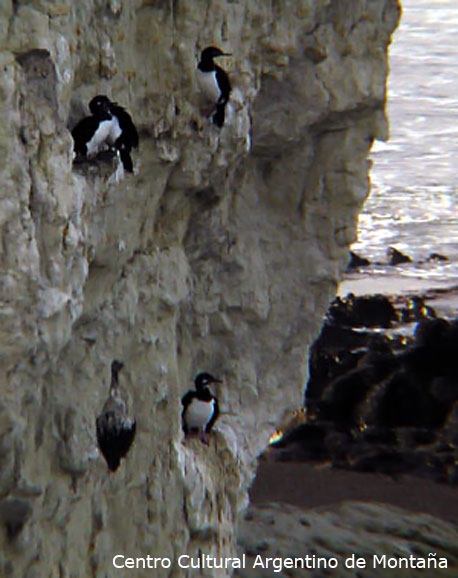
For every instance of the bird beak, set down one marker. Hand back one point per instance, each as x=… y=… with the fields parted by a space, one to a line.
x=217 y=381
x=225 y=54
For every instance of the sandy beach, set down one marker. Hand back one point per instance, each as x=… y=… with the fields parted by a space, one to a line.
x=307 y=486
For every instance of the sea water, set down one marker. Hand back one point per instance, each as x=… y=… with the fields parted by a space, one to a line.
x=413 y=203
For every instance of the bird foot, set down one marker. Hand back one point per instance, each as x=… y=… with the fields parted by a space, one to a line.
x=204 y=438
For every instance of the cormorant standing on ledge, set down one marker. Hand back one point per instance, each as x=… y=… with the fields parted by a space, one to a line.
x=214 y=82
x=200 y=407
x=115 y=431
x=110 y=124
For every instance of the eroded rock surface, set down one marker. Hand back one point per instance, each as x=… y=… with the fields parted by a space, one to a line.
x=381 y=535
x=220 y=253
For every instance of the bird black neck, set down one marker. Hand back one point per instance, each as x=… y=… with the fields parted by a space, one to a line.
x=114 y=381
x=206 y=63
x=204 y=394
x=116 y=367
x=102 y=115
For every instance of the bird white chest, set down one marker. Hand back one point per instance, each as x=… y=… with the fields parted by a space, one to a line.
x=107 y=132
x=199 y=413
x=208 y=85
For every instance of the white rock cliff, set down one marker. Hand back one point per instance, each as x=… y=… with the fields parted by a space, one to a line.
x=221 y=254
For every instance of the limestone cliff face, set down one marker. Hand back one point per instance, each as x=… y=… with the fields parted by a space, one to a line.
x=221 y=253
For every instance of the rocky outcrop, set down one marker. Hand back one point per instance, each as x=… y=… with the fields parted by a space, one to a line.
x=381 y=402
x=363 y=539
x=220 y=253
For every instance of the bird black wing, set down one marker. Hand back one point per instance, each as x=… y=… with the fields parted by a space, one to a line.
x=224 y=84
x=83 y=132
x=114 y=436
x=126 y=159
x=126 y=436
x=186 y=400
x=129 y=135
x=219 y=115
x=214 y=417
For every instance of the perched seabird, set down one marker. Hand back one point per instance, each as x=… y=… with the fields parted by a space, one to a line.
x=109 y=124
x=115 y=430
x=92 y=132
x=200 y=407
x=128 y=139
x=214 y=82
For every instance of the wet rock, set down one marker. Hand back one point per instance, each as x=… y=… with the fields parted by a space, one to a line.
x=395 y=257
x=390 y=461
x=341 y=398
x=375 y=403
x=416 y=310
x=363 y=311
x=338 y=445
x=309 y=441
x=450 y=430
x=335 y=338
x=445 y=389
x=438 y=465
x=437 y=257
x=429 y=334
x=452 y=475
x=412 y=437
x=402 y=400
x=336 y=351
x=434 y=351
x=325 y=370
x=355 y=261
x=377 y=435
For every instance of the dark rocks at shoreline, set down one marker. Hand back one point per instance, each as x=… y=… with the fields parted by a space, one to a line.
x=394 y=258
x=342 y=351
x=379 y=403
x=368 y=311
x=415 y=310
x=357 y=261
x=437 y=257
x=365 y=311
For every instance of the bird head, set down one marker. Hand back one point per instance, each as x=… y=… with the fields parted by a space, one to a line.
x=100 y=105
x=212 y=52
x=204 y=379
x=116 y=366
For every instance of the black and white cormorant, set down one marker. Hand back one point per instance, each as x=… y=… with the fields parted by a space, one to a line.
x=214 y=82
x=115 y=430
x=200 y=407
x=109 y=124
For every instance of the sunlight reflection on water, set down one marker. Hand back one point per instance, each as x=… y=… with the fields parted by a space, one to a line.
x=414 y=198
